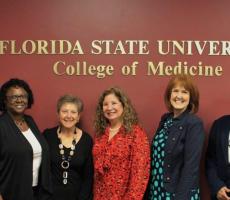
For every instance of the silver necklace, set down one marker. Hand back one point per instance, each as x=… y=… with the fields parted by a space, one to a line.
x=65 y=163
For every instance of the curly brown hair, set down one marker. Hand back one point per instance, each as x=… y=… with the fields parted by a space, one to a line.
x=129 y=115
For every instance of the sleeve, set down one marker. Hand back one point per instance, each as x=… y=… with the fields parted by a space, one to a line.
x=87 y=184
x=140 y=168
x=194 y=141
x=210 y=162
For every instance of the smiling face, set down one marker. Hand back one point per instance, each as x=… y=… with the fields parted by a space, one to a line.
x=68 y=115
x=16 y=100
x=179 y=99
x=112 y=109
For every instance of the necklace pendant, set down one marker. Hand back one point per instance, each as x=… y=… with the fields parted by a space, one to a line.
x=74 y=142
x=65 y=174
x=62 y=152
x=71 y=152
x=64 y=181
x=65 y=164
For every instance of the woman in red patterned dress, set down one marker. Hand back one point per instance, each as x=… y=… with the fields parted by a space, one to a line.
x=121 y=150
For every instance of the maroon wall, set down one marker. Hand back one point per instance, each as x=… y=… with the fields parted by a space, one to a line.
x=86 y=21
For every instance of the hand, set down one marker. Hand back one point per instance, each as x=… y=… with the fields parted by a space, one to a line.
x=222 y=194
x=1 y=197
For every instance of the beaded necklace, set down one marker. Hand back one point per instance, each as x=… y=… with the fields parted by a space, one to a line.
x=65 y=163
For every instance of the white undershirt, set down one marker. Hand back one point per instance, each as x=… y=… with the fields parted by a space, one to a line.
x=37 y=154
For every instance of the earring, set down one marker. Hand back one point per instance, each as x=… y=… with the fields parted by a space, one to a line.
x=59 y=129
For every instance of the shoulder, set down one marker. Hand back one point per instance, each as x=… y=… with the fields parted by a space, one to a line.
x=193 y=126
x=5 y=117
x=192 y=118
x=87 y=140
x=189 y=119
x=138 y=132
x=140 y=139
x=4 y=123
x=50 y=132
x=87 y=136
x=29 y=119
x=193 y=123
x=223 y=120
x=137 y=129
x=221 y=124
x=2 y=117
x=165 y=116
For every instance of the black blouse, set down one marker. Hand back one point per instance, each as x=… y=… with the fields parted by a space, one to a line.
x=80 y=172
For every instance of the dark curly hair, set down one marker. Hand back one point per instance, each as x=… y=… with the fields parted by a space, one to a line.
x=14 y=82
x=129 y=114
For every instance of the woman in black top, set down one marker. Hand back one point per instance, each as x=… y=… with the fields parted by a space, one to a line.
x=71 y=157
x=24 y=161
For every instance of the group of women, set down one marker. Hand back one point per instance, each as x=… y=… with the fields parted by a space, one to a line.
x=64 y=163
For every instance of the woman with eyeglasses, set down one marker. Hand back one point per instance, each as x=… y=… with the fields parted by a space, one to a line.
x=24 y=156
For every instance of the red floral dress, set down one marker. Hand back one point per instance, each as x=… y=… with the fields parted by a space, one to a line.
x=121 y=165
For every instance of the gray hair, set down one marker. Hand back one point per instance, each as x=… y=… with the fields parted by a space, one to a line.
x=67 y=98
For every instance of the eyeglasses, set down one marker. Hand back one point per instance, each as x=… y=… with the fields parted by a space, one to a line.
x=17 y=97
